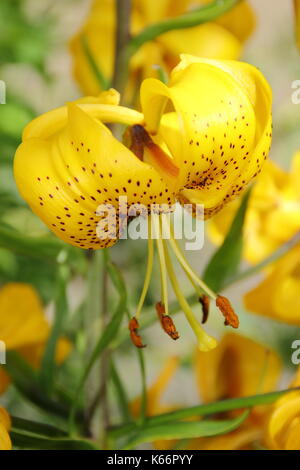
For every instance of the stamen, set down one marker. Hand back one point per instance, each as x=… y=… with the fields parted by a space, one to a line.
x=140 y=139
x=180 y=256
x=204 y=301
x=225 y=306
x=148 y=270
x=205 y=342
x=162 y=261
x=166 y=321
x=135 y=337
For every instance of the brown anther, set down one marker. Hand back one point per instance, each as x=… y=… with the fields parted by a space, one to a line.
x=138 y=138
x=166 y=321
x=135 y=337
x=225 y=307
x=205 y=302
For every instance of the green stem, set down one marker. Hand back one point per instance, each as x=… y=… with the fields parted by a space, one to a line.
x=105 y=359
x=123 y=19
x=143 y=410
x=121 y=393
x=103 y=342
x=48 y=366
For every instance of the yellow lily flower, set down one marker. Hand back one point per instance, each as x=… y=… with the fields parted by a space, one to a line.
x=220 y=132
x=277 y=296
x=222 y=39
x=24 y=328
x=274 y=202
x=284 y=423
x=205 y=151
x=78 y=165
x=237 y=367
x=5 y=425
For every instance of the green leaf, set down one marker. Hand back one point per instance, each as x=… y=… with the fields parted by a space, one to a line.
x=122 y=398
x=185 y=430
x=106 y=338
x=22 y=38
x=13 y=119
x=276 y=255
x=48 y=367
x=103 y=82
x=33 y=427
x=30 y=441
x=46 y=248
x=195 y=17
x=226 y=260
x=25 y=380
x=205 y=410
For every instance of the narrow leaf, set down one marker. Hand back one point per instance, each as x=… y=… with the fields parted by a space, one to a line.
x=26 y=382
x=29 y=441
x=33 y=427
x=185 y=430
x=106 y=338
x=48 y=366
x=103 y=82
x=121 y=394
x=46 y=248
x=205 y=410
x=195 y=17
x=226 y=260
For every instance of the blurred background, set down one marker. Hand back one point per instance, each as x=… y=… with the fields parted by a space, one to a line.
x=36 y=65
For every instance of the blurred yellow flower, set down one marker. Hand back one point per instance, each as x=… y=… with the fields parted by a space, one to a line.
x=24 y=327
x=277 y=296
x=273 y=214
x=221 y=39
x=297 y=21
x=284 y=423
x=156 y=391
x=5 y=425
x=237 y=367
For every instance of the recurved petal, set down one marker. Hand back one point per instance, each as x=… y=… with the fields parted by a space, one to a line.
x=73 y=179
x=220 y=132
